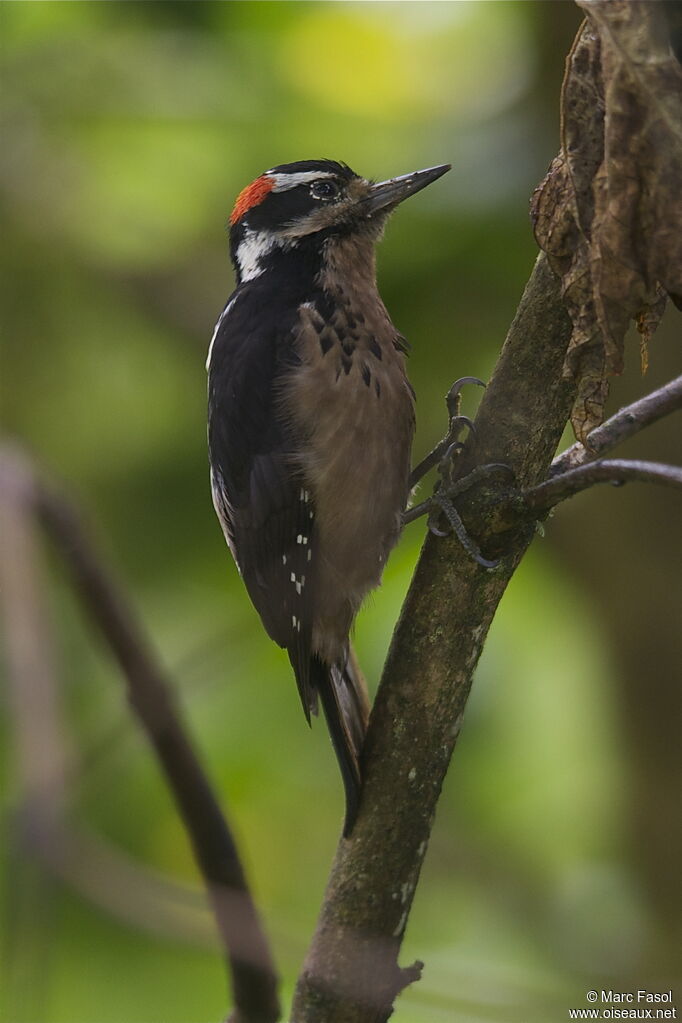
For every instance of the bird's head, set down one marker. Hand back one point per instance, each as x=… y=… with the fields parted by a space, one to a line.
x=295 y=204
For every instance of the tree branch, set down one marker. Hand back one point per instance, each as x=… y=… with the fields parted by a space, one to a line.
x=616 y=471
x=351 y=974
x=624 y=424
x=254 y=980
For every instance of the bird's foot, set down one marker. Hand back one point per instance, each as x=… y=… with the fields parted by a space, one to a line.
x=442 y=503
x=450 y=445
x=445 y=456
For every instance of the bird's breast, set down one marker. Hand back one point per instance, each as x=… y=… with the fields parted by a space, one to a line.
x=351 y=405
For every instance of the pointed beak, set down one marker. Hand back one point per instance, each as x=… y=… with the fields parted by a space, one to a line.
x=390 y=193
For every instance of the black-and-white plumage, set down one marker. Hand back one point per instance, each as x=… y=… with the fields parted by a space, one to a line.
x=310 y=423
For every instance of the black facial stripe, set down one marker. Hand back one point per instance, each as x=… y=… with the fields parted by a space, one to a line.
x=279 y=209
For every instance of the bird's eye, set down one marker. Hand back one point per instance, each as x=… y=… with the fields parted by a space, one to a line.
x=324 y=189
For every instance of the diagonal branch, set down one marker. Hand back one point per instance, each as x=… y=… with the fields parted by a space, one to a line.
x=254 y=979
x=624 y=424
x=615 y=471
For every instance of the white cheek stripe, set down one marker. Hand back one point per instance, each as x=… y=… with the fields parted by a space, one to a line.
x=217 y=328
x=252 y=248
x=283 y=182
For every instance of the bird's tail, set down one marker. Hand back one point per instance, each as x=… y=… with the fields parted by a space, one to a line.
x=345 y=703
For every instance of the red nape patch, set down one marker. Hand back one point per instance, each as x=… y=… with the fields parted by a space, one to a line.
x=251 y=196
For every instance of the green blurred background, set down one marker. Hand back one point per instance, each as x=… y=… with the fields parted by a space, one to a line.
x=128 y=129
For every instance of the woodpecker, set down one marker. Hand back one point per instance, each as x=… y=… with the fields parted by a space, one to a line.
x=310 y=423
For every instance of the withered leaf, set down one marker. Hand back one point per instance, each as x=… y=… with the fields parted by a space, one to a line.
x=609 y=212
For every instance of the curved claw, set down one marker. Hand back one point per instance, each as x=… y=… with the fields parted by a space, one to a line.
x=458 y=421
x=459 y=384
x=435 y=531
x=453 y=395
x=457 y=445
x=488 y=466
x=484 y=562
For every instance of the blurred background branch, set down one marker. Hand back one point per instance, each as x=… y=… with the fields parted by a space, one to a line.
x=26 y=498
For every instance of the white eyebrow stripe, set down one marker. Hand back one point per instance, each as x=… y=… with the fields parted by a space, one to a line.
x=285 y=181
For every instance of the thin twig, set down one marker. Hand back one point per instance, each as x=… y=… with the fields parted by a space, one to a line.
x=546 y=495
x=254 y=979
x=624 y=424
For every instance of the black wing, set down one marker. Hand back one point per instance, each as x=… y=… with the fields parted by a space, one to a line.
x=266 y=512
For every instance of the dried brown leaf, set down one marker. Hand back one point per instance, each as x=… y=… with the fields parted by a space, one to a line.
x=609 y=214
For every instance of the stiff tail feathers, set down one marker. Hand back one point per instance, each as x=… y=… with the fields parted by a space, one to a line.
x=301 y=662
x=345 y=702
